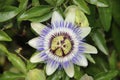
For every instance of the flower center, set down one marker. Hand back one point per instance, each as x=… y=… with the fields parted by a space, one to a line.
x=61 y=45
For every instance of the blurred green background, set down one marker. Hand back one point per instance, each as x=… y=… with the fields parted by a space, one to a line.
x=15 y=32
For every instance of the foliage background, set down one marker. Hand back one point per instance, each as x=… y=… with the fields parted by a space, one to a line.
x=15 y=31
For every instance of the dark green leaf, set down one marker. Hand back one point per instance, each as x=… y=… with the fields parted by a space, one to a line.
x=112 y=60
x=51 y=2
x=116 y=36
x=106 y=75
x=4 y=36
x=82 y=5
x=100 y=41
x=17 y=62
x=35 y=12
x=11 y=76
x=105 y=17
x=3 y=3
x=43 y=18
x=116 y=10
x=35 y=74
x=8 y=13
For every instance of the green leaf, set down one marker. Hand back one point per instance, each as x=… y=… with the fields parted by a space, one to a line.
x=23 y=4
x=116 y=10
x=17 y=62
x=51 y=2
x=105 y=17
x=30 y=65
x=89 y=57
x=57 y=75
x=3 y=49
x=11 y=76
x=100 y=41
x=4 y=36
x=55 y=2
x=112 y=60
x=98 y=3
x=43 y=18
x=3 y=3
x=106 y=75
x=35 y=3
x=82 y=5
x=78 y=74
x=116 y=36
x=8 y=13
x=35 y=74
x=66 y=78
x=35 y=12
x=59 y=2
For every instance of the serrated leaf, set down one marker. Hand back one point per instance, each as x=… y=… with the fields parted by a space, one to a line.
x=17 y=62
x=82 y=5
x=100 y=41
x=4 y=36
x=35 y=12
x=11 y=76
x=8 y=13
x=35 y=74
x=105 y=17
x=106 y=75
x=43 y=18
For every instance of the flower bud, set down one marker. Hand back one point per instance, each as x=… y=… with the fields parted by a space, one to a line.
x=78 y=16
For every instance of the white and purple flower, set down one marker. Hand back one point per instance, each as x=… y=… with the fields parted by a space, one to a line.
x=61 y=44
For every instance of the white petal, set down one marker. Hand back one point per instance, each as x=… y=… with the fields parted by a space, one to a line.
x=37 y=27
x=82 y=61
x=89 y=48
x=56 y=17
x=51 y=68
x=37 y=58
x=69 y=69
x=34 y=42
x=70 y=15
x=85 y=31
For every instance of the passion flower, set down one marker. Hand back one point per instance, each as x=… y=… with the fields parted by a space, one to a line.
x=61 y=44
